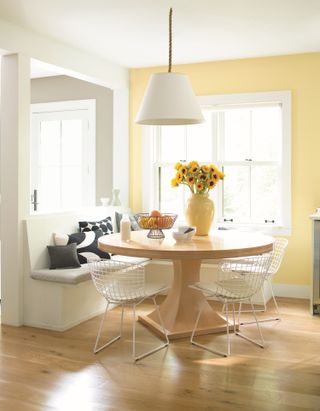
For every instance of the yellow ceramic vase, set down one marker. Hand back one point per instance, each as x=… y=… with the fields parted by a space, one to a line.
x=200 y=213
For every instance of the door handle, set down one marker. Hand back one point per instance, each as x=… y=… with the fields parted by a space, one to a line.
x=34 y=200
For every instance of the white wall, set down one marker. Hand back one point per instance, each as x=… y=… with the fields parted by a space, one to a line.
x=14 y=164
x=14 y=181
x=121 y=144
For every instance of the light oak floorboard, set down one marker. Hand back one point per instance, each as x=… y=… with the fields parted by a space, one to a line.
x=45 y=370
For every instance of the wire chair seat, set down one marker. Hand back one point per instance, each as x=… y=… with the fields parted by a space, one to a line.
x=119 y=281
x=123 y=283
x=138 y=294
x=234 y=289
x=237 y=281
x=279 y=248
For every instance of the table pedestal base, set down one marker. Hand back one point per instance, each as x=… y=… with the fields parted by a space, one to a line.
x=180 y=308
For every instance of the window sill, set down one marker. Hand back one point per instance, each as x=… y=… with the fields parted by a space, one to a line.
x=269 y=229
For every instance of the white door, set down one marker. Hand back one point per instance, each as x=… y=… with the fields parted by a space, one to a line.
x=62 y=158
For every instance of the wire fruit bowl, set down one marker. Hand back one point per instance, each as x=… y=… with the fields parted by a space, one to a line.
x=155 y=224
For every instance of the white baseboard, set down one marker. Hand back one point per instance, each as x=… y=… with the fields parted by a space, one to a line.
x=162 y=270
x=291 y=290
x=67 y=326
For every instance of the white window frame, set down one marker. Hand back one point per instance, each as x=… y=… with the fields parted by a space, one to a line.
x=149 y=179
x=88 y=107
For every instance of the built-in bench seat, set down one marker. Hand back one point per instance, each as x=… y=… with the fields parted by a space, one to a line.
x=63 y=275
x=61 y=298
x=77 y=275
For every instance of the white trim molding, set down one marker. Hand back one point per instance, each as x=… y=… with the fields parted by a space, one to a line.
x=83 y=110
x=151 y=150
x=283 y=98
x=291 y=290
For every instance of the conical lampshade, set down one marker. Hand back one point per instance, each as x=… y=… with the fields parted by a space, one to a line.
x=169 y=100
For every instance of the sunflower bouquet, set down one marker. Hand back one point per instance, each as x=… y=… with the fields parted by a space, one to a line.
x=199 y=178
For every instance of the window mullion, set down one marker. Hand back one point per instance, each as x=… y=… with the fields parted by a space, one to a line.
x=60 y=164
x=250 y=167
x=250 y=192
x=186 y=157
x=158 y=163
x=219 y=158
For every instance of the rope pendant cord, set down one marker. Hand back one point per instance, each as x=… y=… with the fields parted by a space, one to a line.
x=170 y=40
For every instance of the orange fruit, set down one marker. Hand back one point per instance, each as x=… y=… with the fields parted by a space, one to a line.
x=155 y=213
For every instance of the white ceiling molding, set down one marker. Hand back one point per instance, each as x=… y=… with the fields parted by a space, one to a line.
x=76 y=62
x=133 y=34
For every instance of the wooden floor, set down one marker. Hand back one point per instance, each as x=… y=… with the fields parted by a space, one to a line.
x=43 y=370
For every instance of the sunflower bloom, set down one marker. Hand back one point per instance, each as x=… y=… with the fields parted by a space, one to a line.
x=199 y=179
x=213 y=168
x=183 y=170
x=211 y=184
x=205 y=169
x=194 y=169
x=200 y=186
x=174 y=183
x=190 y=180
x=179 y=177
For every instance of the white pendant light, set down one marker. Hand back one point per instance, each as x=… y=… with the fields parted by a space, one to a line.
x=169 y=98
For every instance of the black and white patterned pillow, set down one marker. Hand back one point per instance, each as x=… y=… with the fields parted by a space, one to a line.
x=87 y=244
x=104 y=225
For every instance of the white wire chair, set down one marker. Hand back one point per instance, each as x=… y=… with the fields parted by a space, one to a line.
x=279 y=248
x=124 y=284
x=236 y=281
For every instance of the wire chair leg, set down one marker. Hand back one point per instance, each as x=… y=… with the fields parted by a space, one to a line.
x=264 y=320
x=234 y=317
x=257 y=310
x=228 y=331
x=161 y=321
x=196 y=325
x=134 y=332
x=274 y=300
x=239 y=313
x=259 y=329
x=121 y=323
x=160 y=347
x=194 y=331
x=277 y=318
x=96 y=349
x=264 y=300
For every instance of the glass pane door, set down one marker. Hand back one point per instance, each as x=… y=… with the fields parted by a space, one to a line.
x=60 y=164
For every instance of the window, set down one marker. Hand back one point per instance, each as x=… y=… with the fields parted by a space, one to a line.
x=63 y=155
x=246 y=135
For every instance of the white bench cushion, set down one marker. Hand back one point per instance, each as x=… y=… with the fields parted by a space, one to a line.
x=63 y=275
x=77 y=275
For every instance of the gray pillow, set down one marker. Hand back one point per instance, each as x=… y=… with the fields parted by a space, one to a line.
x=63 y=256
x=134 y=224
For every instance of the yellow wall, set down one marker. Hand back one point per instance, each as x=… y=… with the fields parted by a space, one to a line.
x=298 y=73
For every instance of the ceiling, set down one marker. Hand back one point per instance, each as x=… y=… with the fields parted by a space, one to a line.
x=134 y=33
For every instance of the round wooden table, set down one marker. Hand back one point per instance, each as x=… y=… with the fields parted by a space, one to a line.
x=180 y=307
